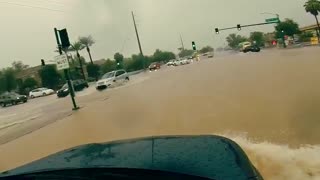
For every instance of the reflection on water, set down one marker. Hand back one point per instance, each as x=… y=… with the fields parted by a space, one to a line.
x=279 y=162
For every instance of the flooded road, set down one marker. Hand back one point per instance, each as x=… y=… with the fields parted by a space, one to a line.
x=267 y=102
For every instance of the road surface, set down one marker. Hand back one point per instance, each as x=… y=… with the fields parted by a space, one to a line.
x=267 y=102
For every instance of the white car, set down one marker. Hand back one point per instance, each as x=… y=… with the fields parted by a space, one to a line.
x=111 y=78
x=40 y=92
x=170 y=63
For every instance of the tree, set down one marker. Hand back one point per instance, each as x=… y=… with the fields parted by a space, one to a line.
x=136 y=62
x=27 y=85
x=313 y=7
x=119 y=60
x=206 y=49
x=258 y=38
x=287 y=27
x=30 y=83
x=306 y=36
x=87 y=42
x=220 y=49
x=19 y=66
x=10 y=78
x=49 y=76
x=165 y=56
x=93 y=70
x=234 y=40
x=108 y=66
x=3 y=82
x=76 y=47
x=185 y=52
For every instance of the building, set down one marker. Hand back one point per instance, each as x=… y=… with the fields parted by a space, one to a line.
x=32 y=72
x=310 y=28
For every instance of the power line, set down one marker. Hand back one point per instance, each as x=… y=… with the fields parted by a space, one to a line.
x=30 y=6
x=55 y=3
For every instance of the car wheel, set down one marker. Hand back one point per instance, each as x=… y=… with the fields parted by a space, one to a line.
x=32 y=96
x=4 y=104
x=127 y=78
x=13 y=102
x=44 y=94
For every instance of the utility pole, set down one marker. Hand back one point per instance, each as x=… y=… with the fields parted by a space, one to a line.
x=135 y=27
x=181 y=42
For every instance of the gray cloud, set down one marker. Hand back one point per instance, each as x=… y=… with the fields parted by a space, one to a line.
x=27 y=33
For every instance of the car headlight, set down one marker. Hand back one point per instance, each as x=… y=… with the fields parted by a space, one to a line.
x=66 y=90
x=18 y=98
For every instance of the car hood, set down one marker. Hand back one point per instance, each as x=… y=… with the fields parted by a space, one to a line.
x=206 y=156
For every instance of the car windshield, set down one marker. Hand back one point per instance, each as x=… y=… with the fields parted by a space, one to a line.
x=14 y=94
x=108 y=75
x=247 y=70
x=65 y=86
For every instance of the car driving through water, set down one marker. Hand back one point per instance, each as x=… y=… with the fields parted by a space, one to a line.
x=111 y=78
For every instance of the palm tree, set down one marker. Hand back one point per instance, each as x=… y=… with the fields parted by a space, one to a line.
x=76 y=47
x=87 y=42
x=313 y=7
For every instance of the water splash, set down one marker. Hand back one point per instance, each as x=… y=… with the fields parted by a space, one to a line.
x=280 y=162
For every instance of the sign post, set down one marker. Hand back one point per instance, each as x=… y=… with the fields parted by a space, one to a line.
x=63 y=63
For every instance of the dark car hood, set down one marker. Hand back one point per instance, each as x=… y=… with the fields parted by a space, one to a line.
x=206 y=156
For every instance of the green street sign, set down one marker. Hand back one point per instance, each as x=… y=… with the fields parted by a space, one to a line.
x=273 y=20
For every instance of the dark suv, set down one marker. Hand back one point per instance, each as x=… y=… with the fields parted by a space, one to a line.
x=78 y=85
x=251 y=49
x=12 y=98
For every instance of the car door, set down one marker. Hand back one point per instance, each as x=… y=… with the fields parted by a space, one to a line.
x=37 y=93
x=120 y=75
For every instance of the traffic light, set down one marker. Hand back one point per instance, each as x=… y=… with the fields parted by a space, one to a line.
x=64 y=38
x=194 y=46
x=239 y=27
x=217 y=31
x=42 y=62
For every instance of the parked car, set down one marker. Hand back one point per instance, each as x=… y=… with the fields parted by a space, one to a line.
x=170 y=63
x=110 y=78
x=244 y=45
x=251 y=49
x=177 y=63
x=78 y=85
x=12 y=98
x=154 y=66
x=40 y=92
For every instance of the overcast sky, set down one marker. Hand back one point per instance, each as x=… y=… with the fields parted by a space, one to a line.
x=27 y=32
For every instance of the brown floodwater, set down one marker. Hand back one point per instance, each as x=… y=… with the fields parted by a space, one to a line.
x=267 y=102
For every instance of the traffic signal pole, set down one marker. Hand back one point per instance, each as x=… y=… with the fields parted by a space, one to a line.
x=66 y=74
x=217 y=30
x=249 y=25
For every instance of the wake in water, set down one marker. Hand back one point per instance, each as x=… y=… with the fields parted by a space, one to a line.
x=279 y=162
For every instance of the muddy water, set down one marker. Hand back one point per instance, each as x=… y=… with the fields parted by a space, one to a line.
x=268 y=103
